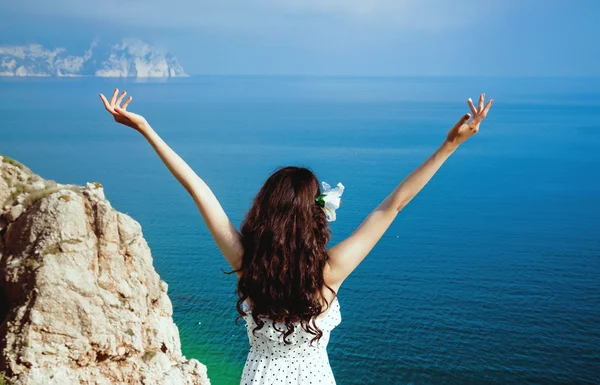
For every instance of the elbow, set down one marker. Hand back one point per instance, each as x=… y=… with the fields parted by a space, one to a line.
x=391 y=211
x=392 y=206
x=188 y=189
x=400 y=206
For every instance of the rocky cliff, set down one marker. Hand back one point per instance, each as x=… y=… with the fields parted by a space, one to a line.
x=81 y=302
x=127 y=58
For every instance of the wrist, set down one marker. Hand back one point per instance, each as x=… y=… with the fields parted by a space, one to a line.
x=449 y=146
x=144 y=129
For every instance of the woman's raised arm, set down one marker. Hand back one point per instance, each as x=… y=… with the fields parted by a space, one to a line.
x=347 y=255
x=228 y=239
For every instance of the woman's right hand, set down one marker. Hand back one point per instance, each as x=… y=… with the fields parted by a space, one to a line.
x=466 y=128
x=120 y=113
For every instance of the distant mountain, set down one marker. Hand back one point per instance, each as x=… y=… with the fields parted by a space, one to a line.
x=128 y=58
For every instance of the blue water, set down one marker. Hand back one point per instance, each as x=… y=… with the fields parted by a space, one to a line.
x=490 y=275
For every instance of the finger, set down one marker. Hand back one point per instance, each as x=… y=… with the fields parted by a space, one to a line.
x=114 y=97
x=472 y=107
x=480 y=105
x=120 y=99
x=122 y=112
x=106 y=104
x=462 y=120
x=487 y=107
x=124 y=107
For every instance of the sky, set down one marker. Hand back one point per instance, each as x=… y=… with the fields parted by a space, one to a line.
x=329 y=37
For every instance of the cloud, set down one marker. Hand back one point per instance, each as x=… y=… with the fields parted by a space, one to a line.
x=380 y=37
x=250 y=15
x=395 y=13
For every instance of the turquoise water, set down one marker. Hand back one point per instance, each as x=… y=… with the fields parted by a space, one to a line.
x=489 y=276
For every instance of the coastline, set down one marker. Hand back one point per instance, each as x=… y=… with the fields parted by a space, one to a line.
x=221 y=367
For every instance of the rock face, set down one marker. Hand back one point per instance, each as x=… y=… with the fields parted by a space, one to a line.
x=134 y=58
x=127 y=58
x=81 y=302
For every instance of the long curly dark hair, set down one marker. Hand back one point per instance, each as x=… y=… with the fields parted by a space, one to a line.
x=284 y=236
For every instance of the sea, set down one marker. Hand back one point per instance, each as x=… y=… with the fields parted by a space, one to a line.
x=491 y=275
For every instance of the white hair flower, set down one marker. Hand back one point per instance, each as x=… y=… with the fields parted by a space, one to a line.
x=330 y=199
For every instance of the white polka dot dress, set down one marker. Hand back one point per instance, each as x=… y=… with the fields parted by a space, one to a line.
x=273 y=362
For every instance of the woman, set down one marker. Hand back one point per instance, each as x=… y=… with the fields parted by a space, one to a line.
x=287 y=279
